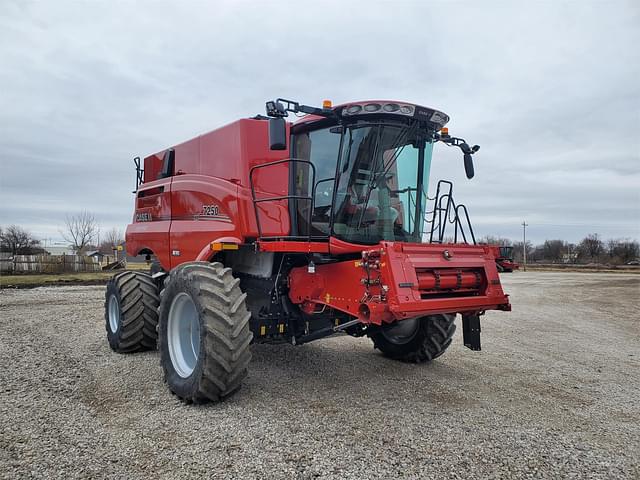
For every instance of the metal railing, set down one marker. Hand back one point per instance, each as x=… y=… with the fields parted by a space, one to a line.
x=275 y=198
x=445 y=212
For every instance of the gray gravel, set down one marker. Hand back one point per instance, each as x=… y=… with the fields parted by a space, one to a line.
x=554 y=393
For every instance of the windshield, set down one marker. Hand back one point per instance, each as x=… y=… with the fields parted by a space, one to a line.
x=379 y=182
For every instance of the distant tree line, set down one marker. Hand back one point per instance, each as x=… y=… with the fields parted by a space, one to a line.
x=18 y=241
x=591 y=249
x=81 y=232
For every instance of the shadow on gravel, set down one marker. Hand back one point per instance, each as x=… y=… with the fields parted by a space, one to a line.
x=350 y=370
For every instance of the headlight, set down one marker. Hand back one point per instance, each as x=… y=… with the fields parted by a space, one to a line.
x=405 y=109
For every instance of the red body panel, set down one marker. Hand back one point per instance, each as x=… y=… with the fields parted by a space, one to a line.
x=151 y=220
x=209 y=195
x=400 y=280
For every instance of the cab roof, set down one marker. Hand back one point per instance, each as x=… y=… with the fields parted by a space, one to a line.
x=365 y=108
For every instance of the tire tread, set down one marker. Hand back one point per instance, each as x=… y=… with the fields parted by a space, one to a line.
x=139 y=300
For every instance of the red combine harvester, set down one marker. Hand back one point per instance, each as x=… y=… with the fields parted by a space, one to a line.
x=504 y=258
x=271 y=231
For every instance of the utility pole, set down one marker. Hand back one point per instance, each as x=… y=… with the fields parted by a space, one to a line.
x=524 y=245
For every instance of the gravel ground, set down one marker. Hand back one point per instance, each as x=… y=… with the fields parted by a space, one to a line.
x=554 y=393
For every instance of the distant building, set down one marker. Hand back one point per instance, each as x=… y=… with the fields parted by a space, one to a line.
x=59 y=250
x=96 y=254
x=569 y=257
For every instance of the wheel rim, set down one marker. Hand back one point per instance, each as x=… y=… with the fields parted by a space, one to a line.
x=114 y=314
x=402 y=332
x=183 y=335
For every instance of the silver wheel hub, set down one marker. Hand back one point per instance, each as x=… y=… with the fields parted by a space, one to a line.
x=402 y=332
x=183 y=334
x=114 y=314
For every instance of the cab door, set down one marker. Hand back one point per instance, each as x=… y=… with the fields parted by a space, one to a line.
x=320 y=147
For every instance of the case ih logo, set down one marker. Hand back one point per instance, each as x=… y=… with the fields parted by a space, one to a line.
x=434 y=116
x=143 y=217
x=423 y=112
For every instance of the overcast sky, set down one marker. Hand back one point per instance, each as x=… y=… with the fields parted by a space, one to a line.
x=550 y=90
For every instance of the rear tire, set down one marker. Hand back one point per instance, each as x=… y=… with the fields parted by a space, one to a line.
x=131 y=312
x=204 y=333
x=426 y=341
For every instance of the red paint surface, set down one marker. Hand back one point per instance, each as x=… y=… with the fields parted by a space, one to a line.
x=210 y=170
x=469 y=282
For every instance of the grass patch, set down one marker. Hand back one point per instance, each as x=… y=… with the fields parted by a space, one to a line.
x=583 y=268
x=138 y=267
x=35 y=280
x=28 y=280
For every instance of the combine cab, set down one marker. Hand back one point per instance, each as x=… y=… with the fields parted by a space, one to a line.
x=271 y=231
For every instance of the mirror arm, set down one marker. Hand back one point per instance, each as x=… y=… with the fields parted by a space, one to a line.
x=281 y=108
x=467 y=151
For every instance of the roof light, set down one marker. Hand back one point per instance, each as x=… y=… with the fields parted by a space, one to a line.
x=406 y=109
x=439 y=118
x=444 y=131
x=326 y=104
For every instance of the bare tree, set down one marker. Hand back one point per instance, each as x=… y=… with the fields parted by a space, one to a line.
x=518 y=251
x=17 y=240
x=591 y=246
x=623 y=250
x=112 y=239
x=491 y=240
x=80 y=230
x=553 y=250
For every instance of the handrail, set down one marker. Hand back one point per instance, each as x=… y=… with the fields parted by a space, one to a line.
x=283 y=197
x=443 y=207
x=440 y=211
x=139 y=173
x=459 y=223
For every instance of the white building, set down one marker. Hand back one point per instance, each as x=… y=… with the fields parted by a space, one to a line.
x=59 y=250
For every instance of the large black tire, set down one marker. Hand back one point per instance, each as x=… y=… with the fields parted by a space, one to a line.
x=427 y=341
x=131 y=312
x=218 y=309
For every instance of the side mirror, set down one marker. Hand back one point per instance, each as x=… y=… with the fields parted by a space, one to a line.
x=468 y=165
x=468 y=161
x=168 y=164
x=277 y=133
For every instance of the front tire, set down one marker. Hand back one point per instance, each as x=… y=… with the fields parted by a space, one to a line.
x=204 y=333
x=417 y=340
x=131 y=312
